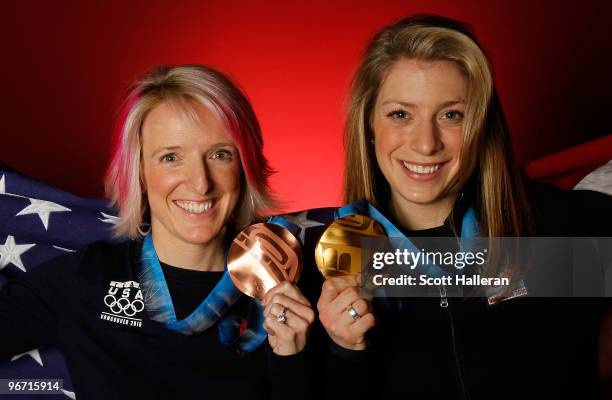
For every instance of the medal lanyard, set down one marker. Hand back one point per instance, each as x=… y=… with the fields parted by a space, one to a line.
x=469 y=229
x=214 y=307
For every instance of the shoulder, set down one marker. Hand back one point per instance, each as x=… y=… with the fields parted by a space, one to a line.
x=569 y=212
x=53 y=284
x=104 y=251
x=309 y=224
x=303 y=217
x=105 y=261
x=89 y=263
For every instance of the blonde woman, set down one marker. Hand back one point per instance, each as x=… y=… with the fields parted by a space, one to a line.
x=157 y=316
x=428 y=148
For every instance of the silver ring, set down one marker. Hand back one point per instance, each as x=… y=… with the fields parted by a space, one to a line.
x=282 y=317
x=353 y=313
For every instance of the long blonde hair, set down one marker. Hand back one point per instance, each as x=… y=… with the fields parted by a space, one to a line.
x=486 y=153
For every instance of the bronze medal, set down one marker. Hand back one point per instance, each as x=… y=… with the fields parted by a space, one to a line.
x=338 y=252
x=262 y=256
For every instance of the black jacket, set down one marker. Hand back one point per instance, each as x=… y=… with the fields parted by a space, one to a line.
x=61 y=303
x=521 y=348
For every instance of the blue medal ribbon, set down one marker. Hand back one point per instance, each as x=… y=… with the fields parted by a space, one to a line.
x=293 y=228
x=469 y=229
x=215 y=307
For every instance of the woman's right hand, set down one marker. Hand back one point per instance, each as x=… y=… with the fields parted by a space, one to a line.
x=340 y=296
x=289 y=336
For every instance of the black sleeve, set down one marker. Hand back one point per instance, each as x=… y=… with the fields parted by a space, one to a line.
x=293 y=376
x=573 y=213
x=301 y=376
x=590 y=213
x=31 y=305
x=348 y=373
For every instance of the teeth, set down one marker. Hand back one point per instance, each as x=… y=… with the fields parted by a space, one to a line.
x=419 y=169
x=195 y=207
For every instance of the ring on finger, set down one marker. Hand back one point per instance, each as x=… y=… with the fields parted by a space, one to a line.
x=282 y=317
x=353 y=313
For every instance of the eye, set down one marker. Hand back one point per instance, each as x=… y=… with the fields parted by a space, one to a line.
x=398 y=114
x=453 y=115
x=169 y=158
x=222 y=155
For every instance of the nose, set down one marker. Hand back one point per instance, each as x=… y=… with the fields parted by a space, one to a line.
x=199 y=177
x=425 y=138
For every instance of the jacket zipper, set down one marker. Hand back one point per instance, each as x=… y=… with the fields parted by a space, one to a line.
x=443 y=298
x=444 y=304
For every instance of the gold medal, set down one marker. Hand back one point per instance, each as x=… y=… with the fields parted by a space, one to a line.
x=338 y=252
x=262 y=256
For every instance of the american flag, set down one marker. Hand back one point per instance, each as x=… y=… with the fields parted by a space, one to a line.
x=39 y=222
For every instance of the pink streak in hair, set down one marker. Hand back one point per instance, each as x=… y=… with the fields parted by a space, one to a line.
x=250 y=159
x=122 y=157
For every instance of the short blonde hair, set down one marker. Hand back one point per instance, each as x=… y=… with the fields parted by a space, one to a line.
x=485 y=150
x=181 y=84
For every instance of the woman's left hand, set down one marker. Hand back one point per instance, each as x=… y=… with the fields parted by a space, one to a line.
x=289 y=317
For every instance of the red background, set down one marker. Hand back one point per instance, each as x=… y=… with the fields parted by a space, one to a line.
x=66 y=66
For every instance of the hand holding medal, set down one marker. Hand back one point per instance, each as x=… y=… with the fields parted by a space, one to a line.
x=265 y=262
x=289 y=317
x=343 y=311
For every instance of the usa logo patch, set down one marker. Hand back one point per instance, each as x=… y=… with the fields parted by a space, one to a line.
x=123 y=303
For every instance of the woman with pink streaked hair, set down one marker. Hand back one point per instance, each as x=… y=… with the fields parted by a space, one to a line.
x=157 y=316
x=182 y=88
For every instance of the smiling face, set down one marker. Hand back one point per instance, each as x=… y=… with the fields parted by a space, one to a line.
x=417 y=123
x=191 y=171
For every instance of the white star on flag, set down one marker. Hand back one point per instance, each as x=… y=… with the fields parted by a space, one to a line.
x=64 y=249
x=109 y=219
x=10 y=253
x=301 y=220
x=35 y=354
x=43 y=208
x=3 y=189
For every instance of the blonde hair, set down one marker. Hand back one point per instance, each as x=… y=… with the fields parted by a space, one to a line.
x=179 y=85
x=485 y=150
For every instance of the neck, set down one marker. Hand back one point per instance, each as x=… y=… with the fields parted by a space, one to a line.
x=180 y=254
x=415 y=216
